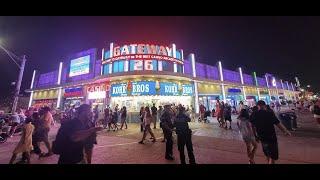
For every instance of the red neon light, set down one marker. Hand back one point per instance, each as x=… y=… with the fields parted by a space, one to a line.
x=142 y=57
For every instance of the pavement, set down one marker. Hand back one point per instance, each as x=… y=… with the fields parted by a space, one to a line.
x=212 y=145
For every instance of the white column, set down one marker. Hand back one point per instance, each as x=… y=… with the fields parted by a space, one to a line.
x=242 y=82
x=182 y=60
x=174 y=54
x=126 y=66
x=194 y=74
x=102 y=57
x=30 y=100
x=159 y=65
x=59 y=97
x=59 y=82
x=60 y=71
x=221 y=79
x=277 y=92
x=193 y=65
x=175 y=68
x=111 y=50
x=111 y=55
x=258 y=94
x=268 y=86
x=196 y=96
x=31 y=86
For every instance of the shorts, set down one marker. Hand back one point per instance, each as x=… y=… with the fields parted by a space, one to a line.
x=270 y=149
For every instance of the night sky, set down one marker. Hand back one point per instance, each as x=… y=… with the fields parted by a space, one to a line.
x=283 y=46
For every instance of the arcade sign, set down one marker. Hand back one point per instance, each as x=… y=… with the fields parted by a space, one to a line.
x=73 y=92
x=97 y=91
x=142 y=52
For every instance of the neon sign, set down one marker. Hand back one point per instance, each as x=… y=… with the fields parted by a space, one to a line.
x=142 y=49
x=187 y=90
x=142 y=52
x=274 y=83
x=73 y=92
x=169 y=89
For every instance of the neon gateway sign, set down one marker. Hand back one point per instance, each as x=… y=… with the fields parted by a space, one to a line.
x=143 y=52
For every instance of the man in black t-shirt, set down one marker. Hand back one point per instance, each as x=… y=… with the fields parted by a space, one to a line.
x=74 y=135
x=263 y=122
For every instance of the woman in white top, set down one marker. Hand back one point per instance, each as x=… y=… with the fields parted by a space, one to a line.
x=146 y=122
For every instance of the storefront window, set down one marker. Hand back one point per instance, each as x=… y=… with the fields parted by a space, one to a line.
x=179 y=68
x=167 y=66
x=118 y=66
x=106 y=69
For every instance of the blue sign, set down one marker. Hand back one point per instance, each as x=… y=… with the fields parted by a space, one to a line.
x=118 y=90
x=234 y=90
x=80 y=66
x=169 y=89
x=143 y=88
x=187 y=90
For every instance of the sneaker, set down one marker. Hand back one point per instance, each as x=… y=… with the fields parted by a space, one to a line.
x=140 y=142
x=169 y=158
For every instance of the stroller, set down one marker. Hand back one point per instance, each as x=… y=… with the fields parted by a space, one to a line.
x=289 y=120
x=206 y=115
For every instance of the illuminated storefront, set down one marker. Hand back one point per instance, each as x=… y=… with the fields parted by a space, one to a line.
x=136 y=94
x=209 y=94
x=73 y=96
x=45 y=98
x=97 y=95
x=251 y=96
x=264 y=95
x=234 y=94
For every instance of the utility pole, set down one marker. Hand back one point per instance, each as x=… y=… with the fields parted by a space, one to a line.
x=17 y=91
x=21 y=66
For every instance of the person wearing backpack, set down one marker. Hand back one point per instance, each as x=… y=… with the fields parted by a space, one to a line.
x=73 y=136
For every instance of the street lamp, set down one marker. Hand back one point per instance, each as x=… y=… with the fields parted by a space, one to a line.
x=21 y=66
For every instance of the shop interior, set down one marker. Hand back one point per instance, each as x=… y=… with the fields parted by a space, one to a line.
x=134 y=103
x=209 y=101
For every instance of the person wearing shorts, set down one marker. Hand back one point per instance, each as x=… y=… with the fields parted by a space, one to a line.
x=263 y=122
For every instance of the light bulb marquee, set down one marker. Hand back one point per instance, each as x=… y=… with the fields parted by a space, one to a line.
x=142 y=52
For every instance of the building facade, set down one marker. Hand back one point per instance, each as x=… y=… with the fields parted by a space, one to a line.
x=136 y=75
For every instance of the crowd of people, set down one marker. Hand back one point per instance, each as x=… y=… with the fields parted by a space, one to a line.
x=36 y=129
x=79 y=127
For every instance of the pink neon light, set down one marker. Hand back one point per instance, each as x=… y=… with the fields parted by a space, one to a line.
x=142 y=57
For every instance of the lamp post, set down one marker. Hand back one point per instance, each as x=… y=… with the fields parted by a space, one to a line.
x=21 y=66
